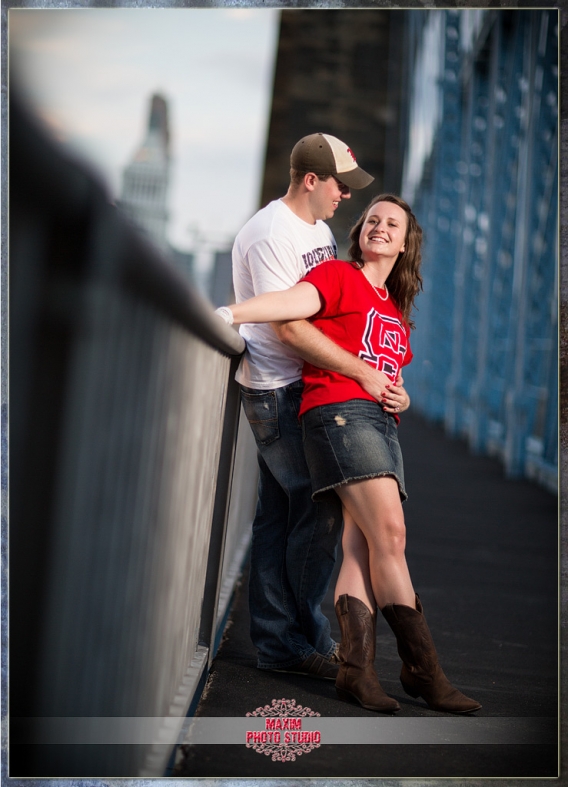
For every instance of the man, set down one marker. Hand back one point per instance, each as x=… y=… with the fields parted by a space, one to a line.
x=294 y=540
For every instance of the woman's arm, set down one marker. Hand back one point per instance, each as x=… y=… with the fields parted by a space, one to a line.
x=297 y=303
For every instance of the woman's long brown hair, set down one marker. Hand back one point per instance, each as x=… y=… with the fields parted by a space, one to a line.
x=404 y=281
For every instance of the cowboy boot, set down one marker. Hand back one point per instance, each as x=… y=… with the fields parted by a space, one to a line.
x=357 y=678
x=422 y=675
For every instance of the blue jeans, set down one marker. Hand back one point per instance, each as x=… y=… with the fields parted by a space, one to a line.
x=294 y=540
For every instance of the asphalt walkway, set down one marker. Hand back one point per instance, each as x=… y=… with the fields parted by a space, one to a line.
x=483 y=555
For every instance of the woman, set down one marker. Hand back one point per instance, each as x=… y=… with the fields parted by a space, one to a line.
x=352 y=447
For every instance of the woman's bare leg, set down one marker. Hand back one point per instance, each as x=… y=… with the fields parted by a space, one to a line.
x=374 y=505
x=356 y=612
x=354 y=577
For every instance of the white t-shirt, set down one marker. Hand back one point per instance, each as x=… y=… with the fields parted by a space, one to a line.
x=273 y=251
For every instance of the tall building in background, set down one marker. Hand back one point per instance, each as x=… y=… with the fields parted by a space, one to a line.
x=145 y=183
x=221 y=279
x=333 y=73
x=145 y=180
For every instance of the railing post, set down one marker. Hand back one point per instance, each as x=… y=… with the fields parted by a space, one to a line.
x=207 y=629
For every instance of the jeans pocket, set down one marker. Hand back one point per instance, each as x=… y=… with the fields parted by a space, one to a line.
x=261 y=410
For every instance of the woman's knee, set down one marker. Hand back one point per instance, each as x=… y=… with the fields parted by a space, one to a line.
x=391 y=536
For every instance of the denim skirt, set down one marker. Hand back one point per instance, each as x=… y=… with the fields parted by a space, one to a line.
x=350 y=441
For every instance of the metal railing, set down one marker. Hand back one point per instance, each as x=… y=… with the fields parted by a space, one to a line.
x=130 y=496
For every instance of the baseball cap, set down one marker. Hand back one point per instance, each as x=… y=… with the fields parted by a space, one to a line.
x=327 y=155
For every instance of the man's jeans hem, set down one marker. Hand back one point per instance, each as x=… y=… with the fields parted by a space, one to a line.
x=334 y=648
x=285 y=664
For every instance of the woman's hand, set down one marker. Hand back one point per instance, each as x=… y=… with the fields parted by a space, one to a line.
x=395 y=399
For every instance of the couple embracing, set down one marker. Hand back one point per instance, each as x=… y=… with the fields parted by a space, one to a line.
x=323 y=392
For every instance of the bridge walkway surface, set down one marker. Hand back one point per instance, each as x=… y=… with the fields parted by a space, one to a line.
x=483 y=555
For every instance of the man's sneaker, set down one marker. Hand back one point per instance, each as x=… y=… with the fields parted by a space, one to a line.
x=334 y=658
x=316 y=666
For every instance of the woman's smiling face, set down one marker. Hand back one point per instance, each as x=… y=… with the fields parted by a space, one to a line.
x=383 y=233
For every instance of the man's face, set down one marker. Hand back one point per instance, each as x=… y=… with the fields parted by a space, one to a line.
x=326 y=196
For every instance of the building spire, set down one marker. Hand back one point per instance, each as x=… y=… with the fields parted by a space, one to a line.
x=145 y=180
x=158 y=120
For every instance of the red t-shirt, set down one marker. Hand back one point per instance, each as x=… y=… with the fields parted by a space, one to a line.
x=356 y=318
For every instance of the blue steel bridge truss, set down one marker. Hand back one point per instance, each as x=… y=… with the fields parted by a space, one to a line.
x=486 y=344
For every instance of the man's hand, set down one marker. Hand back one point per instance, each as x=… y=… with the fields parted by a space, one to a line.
x=375 y=383
x=319 y=350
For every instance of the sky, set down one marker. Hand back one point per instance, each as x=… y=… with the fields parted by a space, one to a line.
x=90 y=73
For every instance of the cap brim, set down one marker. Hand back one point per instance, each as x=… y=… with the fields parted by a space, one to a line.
x=355 y=178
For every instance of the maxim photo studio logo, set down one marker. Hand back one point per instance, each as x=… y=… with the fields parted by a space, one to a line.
x=283 y=738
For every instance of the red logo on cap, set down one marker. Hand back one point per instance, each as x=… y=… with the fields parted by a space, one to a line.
x=352 y=155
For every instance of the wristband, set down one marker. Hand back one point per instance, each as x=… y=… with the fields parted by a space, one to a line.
x=225 y=314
